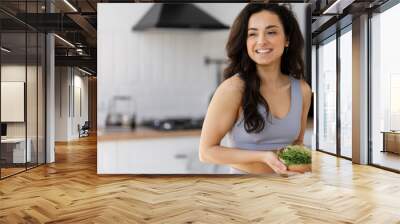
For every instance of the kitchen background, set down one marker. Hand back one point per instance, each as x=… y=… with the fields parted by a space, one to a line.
x=150 y=76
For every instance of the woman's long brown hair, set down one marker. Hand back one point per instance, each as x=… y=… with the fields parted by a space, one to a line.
x=292 y=63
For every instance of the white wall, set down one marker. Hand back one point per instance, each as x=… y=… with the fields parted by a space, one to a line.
x=66 y=81
x=79 y=117
x=162 y=70
x=61 y=103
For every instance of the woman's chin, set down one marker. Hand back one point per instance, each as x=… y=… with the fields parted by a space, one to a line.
x=264 y=62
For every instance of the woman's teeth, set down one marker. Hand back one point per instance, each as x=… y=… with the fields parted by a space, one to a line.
x=260 y=51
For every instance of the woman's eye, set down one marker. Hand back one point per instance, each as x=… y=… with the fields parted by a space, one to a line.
x=271 y=33
x=251 y=34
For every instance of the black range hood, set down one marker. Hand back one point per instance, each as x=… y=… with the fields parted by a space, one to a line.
x=177 y=16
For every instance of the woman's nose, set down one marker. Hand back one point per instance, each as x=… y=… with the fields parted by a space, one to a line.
x=262 y=39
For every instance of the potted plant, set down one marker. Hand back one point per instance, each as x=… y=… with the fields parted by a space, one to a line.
x=296 y=157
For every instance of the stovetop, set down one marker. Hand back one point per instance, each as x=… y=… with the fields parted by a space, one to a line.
x=172 y=124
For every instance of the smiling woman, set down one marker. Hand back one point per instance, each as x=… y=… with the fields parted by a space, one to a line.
x=262 y=105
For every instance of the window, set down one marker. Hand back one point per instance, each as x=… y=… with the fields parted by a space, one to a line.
x=346 y=75
x=327 y=96
x=22 y=77
x=385 y=88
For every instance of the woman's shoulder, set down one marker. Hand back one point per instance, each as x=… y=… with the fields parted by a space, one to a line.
x=230 y=91
x=233 y=84
x=305 y=87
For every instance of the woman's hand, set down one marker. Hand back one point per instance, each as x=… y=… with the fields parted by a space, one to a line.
x=272 y=160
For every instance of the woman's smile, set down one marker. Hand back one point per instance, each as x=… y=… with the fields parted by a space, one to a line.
x=263 y=51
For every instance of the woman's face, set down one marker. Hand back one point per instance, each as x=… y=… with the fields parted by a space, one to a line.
x=266 y=38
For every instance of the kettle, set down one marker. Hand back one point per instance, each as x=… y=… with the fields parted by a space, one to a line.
x=121 y=112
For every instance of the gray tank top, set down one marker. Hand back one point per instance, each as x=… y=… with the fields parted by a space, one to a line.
x=277 y=133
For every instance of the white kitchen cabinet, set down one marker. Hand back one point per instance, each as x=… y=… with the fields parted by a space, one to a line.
x=175 y=155
x=107 y=157
x=154 y=156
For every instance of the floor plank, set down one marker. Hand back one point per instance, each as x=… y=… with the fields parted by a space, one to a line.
x=70 y=191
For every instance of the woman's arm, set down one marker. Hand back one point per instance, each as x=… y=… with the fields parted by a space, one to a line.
x=221 y=116
x=306 y=92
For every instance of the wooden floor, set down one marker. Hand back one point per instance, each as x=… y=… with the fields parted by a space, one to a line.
x=5 y=172
x=10 y=171
x=70 y=191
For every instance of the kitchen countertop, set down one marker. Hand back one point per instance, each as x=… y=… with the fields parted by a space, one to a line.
x=117 y=134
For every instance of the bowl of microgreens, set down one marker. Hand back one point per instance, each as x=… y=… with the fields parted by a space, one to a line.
x=297 y=158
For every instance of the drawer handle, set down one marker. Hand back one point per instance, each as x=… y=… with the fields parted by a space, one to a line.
x=180 y=156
